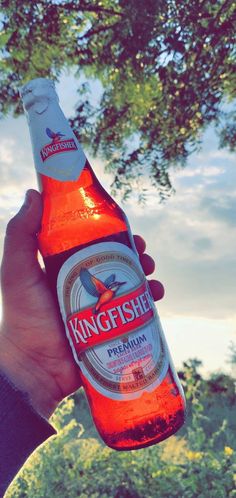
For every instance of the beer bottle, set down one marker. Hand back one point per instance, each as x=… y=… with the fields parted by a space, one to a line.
x=110 y=318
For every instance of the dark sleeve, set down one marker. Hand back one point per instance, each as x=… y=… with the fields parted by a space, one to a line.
x=22 y=430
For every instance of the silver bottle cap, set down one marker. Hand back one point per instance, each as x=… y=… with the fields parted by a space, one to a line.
x=38 y=93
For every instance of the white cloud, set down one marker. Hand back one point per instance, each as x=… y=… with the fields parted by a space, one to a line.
x=192 y=237
x=17 y=172
x=194 y=170
x=217 y=154
x=6 y=152
x=205 y=339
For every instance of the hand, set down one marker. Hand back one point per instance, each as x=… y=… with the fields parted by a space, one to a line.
x=34 y=351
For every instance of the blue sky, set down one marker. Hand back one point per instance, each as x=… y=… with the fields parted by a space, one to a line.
x=192 y=237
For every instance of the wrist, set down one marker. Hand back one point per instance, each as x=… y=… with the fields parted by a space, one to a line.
x=24 y=373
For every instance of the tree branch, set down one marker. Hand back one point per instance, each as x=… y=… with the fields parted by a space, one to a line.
x=223 y=6
x=88 y=8
x=95 y=31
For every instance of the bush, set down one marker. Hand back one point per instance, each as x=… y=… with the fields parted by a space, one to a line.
x=71 y=466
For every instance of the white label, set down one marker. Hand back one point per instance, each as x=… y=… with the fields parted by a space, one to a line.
x=57 y=152
x=111 y=321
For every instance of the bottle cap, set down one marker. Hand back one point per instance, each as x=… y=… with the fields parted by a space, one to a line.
x=38 y=93
x=37 y=84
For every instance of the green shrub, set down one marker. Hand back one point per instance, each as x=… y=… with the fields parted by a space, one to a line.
x=71 y=466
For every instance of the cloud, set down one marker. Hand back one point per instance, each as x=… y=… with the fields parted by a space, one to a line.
x=205 y=339
x=202 y=244
x=221 y=154
x=222 y=208
x=192 y=237
x=195 y=262
x=6 y=153
x=16 y=161
x=16 y=168
x=200 y=171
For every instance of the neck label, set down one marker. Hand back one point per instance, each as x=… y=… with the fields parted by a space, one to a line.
x=56 y=147
x=57 y=152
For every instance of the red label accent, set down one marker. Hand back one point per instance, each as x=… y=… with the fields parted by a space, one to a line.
x=56 y=147
x=122 y=315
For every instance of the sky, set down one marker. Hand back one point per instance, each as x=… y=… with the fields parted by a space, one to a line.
x=192 y=237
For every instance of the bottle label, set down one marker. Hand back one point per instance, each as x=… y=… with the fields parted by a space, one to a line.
x=57 y=152
x=57 y=146
x=111 y=321
x=62 y=157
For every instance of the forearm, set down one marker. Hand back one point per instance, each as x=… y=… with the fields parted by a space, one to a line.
x=24 y=409
x=22 y=430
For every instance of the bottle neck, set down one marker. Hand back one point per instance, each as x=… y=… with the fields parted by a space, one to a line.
x=50 y=186
x=56 y=150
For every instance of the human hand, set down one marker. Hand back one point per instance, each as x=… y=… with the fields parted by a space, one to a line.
x=34 y=351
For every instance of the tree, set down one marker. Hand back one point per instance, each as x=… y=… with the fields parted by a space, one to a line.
x=232 y=359
x=165 y=67
x=191 y=379
x=222 y=385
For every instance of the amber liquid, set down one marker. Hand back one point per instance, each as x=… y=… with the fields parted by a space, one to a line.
x=78 y=214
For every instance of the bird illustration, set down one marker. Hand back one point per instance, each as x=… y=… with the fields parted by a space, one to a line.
x=105 y=291
x=56 y=137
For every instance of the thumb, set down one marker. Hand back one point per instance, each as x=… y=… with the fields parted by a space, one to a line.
x=20 y=245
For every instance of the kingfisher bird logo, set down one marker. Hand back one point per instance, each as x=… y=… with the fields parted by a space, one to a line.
x=109 y=315
x=56 y=137
x=57 y=144
x=104 y=291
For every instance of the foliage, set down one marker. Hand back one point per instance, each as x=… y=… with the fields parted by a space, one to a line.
x=164 y=70
x=232 y=357
x=210 y=403
x=73 y=464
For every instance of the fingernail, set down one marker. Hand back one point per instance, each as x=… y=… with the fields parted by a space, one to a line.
x=27 y=200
